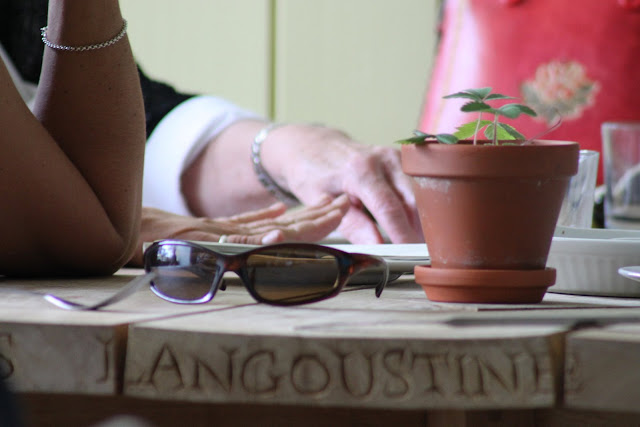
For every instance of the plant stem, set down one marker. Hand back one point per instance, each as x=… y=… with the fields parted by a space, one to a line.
x=555 y=125
x=495 y=130
x=475 y=134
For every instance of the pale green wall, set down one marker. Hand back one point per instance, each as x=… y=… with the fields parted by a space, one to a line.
x=360 y=65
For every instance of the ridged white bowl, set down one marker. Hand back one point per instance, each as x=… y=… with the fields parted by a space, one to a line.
x=589 y=266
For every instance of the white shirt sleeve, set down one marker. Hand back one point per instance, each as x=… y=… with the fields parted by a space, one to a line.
x=177 y=141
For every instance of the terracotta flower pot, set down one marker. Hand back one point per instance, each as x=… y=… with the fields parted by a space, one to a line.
x=488 y=207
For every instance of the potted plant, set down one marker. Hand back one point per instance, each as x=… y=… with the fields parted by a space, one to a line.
x=488 y=207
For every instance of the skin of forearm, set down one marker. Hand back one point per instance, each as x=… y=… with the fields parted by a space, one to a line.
x=314 y=163
x=222 y=182
x=91 y=104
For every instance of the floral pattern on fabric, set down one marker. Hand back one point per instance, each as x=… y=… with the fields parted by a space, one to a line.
x=559 y=89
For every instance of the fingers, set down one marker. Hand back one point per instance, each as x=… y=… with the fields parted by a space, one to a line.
x=377 y=182
x=309 y=223
x=272 y=211
x=357 y=227
x=305 y=225
x=402 y=185
x=400 y=182
x=326 y=206
x=271 y=225
x=302 y=216
x=270 y=237
x=371 y=176
x=314 y=228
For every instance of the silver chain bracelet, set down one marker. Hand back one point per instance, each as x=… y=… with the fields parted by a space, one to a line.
x=85 y=48
x=265 y=179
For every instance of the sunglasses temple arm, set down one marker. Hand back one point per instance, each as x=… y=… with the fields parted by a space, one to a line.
x=385 y=279
x=364 y=261
x=130 y=288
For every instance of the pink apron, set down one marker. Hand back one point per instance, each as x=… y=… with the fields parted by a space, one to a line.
x=578 y=59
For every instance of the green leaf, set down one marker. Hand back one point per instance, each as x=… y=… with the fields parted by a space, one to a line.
x=498 y=96
x=492 y=129
x=419 y=138
x=414 y=140
x=511 y=131
x=474 y=106
x=489 y=131
x=513 y=111
x=528 y=111
x=467 y=130
x=503 y=134
x=462 y=95
x=481 y=93
x=474 y=94
x=446 y=138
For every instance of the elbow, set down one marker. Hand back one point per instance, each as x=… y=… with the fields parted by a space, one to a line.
x=109 y=248
x=110 y=260
x=97 y=256
x=86 y=257
x=109 y=256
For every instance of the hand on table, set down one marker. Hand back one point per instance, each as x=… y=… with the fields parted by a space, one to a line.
x=264 y=226
x=327 y=162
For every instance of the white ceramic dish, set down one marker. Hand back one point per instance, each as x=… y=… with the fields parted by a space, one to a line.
x=587 y=261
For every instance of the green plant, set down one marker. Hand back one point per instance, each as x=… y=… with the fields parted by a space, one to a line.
x=494 y=130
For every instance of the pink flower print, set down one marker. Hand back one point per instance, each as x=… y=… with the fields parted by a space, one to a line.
x=559 y=89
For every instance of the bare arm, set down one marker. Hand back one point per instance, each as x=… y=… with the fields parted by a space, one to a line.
x=70 y=177
x=311 y=162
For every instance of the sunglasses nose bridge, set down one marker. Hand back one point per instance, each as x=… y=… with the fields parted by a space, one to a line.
x=232 y=263
x=228 y=263
x=237 y=264
x=218 y=281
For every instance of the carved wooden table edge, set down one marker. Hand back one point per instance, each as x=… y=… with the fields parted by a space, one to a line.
x=352 y=352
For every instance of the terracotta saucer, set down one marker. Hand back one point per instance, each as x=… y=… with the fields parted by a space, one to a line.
x=484 y=286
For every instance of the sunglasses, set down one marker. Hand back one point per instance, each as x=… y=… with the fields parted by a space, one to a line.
x=280 y=274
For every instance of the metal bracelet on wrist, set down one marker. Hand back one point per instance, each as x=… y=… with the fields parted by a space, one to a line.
x=265 y=179
x=85 y=48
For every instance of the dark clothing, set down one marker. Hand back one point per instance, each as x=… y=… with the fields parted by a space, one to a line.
x=8 y=408
x=20 y=23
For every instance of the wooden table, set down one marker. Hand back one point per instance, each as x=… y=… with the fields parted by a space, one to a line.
x=354 y=359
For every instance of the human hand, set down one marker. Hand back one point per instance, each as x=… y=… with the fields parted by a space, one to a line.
x=323 y=161
x=264 y=226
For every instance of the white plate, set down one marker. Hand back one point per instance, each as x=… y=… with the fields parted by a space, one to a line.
x=596 y=233
x=587 y=262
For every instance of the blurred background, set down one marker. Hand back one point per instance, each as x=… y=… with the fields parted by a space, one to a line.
x=359 y=65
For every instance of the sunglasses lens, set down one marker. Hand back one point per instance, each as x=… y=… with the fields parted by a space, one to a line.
x=292 y=275
x=185 y=273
